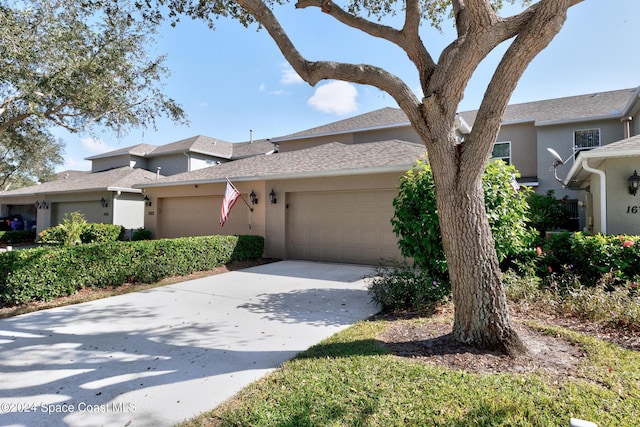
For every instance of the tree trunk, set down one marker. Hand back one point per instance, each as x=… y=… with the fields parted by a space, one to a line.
x=481 y=316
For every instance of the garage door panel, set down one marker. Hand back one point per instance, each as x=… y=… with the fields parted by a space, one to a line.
x=199 y=216
x=343 y=227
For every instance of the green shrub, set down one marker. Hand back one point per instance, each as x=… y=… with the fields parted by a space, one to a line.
x=416 y=224
x=75 y=230
x=593 y=260
x=44 y=273
x=141 y=234
x=100 y=233
x=547 y=213
x=407 y=288
x=17 y=236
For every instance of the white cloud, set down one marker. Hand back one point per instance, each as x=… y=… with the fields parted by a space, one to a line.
x=336 y=97
x=289 y=76
x=95 y=146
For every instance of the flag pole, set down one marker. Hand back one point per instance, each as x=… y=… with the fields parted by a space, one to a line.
x=246 y=203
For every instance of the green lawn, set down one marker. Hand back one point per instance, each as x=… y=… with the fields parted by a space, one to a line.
x=350 y=379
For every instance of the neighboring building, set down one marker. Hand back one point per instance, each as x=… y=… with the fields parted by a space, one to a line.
x=326 y=193
x=106 y=194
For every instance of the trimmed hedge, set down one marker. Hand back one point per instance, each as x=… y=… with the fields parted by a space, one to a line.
x=19 y=236
x=42 y=274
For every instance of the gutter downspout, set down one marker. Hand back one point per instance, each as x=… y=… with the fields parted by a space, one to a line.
x=603 y=194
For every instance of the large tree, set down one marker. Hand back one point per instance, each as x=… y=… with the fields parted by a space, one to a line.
x=28 y=157
x=481 y=313
x=63 y=63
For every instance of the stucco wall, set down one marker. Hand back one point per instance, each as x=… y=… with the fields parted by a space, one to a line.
x=523 y=146
x=560 y=138
x=623 y=209
x=170 y=164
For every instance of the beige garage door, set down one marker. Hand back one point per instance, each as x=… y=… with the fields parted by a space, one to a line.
x=350 y=226
x=199 y=216
x=92 y=211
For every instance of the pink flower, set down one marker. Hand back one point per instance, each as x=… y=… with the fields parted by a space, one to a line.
x=627 y=243
x=539 y=250
x=550 y=269
x=634 y=285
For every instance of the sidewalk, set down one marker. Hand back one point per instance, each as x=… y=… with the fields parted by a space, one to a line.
x=160 y=356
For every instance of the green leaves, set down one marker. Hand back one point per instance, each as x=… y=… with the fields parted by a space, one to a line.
x=72 y=65
x=416 y=216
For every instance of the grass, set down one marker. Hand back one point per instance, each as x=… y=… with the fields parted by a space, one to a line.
x=350 y=379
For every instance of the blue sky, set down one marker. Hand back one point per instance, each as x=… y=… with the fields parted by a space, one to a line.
x=233 y=80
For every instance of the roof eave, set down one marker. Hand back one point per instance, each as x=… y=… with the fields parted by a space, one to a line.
x=297 y=175
x=579 y=119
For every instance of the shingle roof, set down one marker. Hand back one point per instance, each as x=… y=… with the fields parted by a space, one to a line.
x=120 y=178
x=580 y=107
x=572 y=108
x=198 y=144
x=329 y=159
x=632 y=143
x=375 y=119
x=246 y=149
x=134 y=150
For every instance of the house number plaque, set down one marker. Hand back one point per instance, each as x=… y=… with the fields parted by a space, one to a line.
x=633 y=209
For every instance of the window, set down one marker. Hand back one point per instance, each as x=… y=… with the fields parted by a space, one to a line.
x=502 y=151
x=585 y=139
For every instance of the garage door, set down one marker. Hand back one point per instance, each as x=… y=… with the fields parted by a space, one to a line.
x=92 y=211
x=199 y=216
x=351 y=226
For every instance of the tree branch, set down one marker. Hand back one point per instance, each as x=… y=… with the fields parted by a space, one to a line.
x=313 y=72
x=407 y=39
x=545 y=19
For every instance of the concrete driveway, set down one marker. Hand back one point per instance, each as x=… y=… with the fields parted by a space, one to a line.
x=160 y=356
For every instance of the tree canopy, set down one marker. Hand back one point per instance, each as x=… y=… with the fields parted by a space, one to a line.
x=69 y=64
x=73 y=66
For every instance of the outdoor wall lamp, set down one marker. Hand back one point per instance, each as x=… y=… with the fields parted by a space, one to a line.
x=44 y=205
x=253 y=197
x=104 y=203
x=147 y=200
x=634 y=183
x=37 y=204
x=272 y=197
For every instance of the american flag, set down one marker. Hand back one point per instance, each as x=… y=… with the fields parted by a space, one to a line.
x=231 y=195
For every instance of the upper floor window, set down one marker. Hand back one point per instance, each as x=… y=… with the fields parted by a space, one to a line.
x=585 y=139
x=502 y=151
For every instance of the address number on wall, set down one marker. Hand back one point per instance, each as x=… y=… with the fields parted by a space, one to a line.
x=633 y=209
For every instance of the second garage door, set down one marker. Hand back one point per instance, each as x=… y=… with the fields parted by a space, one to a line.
x=350 y=226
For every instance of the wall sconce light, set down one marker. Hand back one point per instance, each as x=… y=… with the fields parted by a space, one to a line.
x=44 y=205
x=37 y=204
x=634 y=183
x=253 y=197
x=147 y=200
x=272 y=197
x=104 y=203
